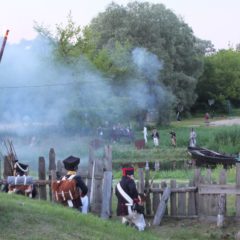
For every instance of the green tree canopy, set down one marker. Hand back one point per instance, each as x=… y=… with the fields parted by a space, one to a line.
x=160 y=31
x=221 y=78
x=169 y=56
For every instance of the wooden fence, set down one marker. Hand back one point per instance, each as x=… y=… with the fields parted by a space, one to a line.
x=98 y=178
x=200 y=197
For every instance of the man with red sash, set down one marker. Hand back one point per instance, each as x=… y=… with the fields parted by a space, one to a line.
x=129 y=206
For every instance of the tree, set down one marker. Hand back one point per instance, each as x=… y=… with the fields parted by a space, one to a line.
x=161 y=32
x=171 y=53
x=221 y=78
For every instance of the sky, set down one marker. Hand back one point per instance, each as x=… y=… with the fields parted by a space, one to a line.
x=214 y=20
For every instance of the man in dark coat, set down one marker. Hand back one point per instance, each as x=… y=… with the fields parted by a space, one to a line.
x=128 y=185
x=128 y=196
x=71 y=165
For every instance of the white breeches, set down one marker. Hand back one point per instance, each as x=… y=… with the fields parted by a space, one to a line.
x=155 y=141
x=85 y=204
x=145 y=138
x=192 y=142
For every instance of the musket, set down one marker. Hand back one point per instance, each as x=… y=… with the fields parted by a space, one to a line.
x=3 y=44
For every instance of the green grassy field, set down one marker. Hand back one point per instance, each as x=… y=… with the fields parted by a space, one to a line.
x=26 y=219
x=224 y=139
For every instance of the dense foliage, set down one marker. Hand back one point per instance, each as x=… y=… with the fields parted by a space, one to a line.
x=220 y=81
x=144 y=54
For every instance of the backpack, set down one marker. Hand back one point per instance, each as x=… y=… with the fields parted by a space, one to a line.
x=65 y=189
x=21 y=185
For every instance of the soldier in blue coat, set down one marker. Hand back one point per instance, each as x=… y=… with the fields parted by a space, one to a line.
x=71 y=165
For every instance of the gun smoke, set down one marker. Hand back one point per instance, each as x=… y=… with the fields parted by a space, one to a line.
x=37 y=93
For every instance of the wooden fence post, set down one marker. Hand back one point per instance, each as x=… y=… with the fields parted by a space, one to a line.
x=141 y=180
x=207 y=198
x=107 y=190
x=223 y=180
x=221 y=210
x=106 y=195
x=238 y=186
x=52 y=166
x=155 y=198
x=53 y=178
x=163 y=186
x=42 y=176
x=147 y=186
x=173 y=199
x=91 y=170
x=192 y=211
x=196 y=182
x=181 y=209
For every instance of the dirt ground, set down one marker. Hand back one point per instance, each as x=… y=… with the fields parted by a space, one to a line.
x=226 y=122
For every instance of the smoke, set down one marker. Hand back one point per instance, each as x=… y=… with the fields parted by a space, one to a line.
x=27 y=80
x=148 y=89
x=37 y=93
x=147 y=64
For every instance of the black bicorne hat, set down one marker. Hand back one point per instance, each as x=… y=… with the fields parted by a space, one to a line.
x=71 y=163
x=21 y=168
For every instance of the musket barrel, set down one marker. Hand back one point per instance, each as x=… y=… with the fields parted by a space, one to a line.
x=3 y=44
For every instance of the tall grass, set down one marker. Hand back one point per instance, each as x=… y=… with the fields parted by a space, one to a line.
x=227 y=139
x=222 y=139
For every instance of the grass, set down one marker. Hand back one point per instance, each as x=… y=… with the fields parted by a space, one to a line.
x=224 y=139
x=26 y=219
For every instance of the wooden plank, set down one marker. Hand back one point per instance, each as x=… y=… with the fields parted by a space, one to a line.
x=218 y=189
x=91 y=175
x=221 y=210
x=223 y=180
x=181 y=204
x=52 y=162
x=42 y=177
x=174 y=190
x=52 y=166
x=238 y=186
x=197 y=174
x=191 y=202
x=141 y=180
x=173 y=199
x=106 y=195
x=161 y=207
x=107 y=158
x=206 y=199
x=163 y=186
x=147 y=186
x=53 y=178
x=155 y=198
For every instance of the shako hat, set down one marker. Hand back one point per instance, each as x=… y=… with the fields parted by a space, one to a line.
x=21 y=168
x=71 y=163
x=127 y=170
